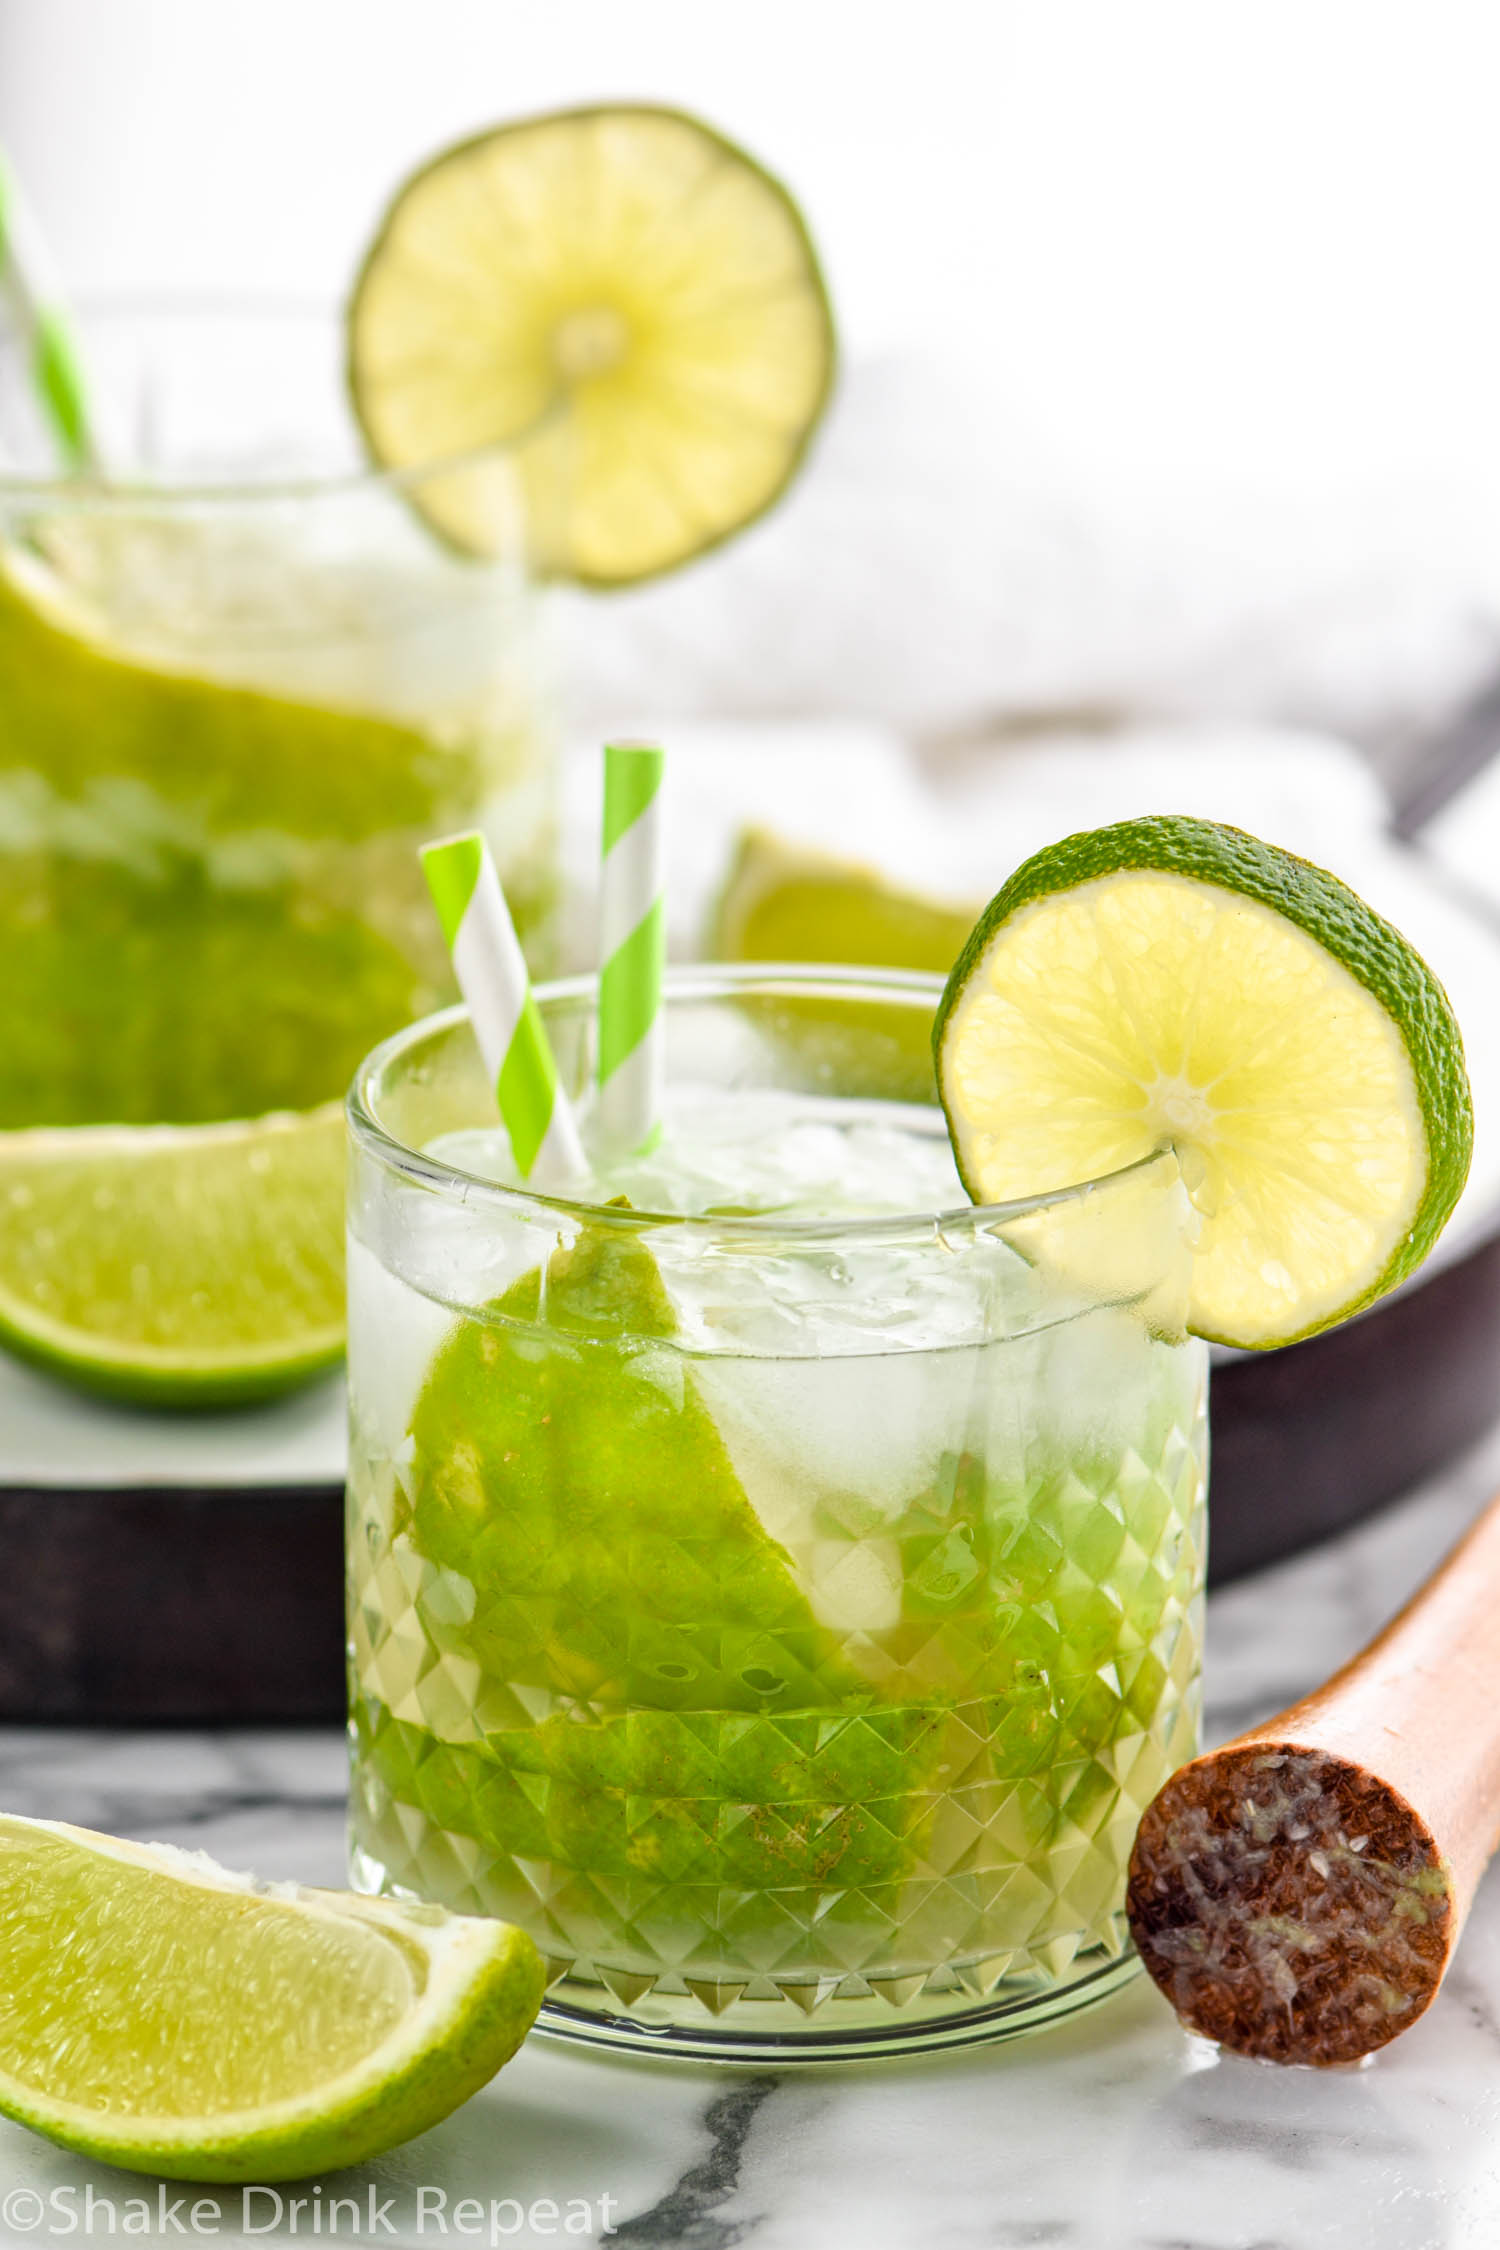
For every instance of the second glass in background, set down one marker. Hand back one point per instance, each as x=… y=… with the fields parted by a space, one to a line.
x=235 y=694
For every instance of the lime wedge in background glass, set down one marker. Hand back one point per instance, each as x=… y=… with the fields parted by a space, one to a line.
x=176 y=1266
x=1175 y=982
x=625 y=260
x=168 y=2016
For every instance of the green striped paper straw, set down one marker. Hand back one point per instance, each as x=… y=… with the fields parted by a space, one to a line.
x=31 y=288
x=632 y=948
x=493 y=978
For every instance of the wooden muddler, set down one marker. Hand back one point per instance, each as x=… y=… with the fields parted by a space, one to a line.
x=1298 y=1894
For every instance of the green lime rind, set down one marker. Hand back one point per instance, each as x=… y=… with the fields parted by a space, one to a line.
x=477 y=1986
x=585 y=113
x=1326 y=910
x=145 y=1383
x=501 y=2006
x=614 y=1553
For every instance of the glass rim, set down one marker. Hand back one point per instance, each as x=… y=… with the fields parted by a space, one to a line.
x=703 y=980
x=104 y=495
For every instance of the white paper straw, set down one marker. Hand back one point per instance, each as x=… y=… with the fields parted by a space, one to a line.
x=632 y=949
x=493 y=978
x=29 y=281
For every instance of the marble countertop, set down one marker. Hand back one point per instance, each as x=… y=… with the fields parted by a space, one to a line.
x=1114 y=2132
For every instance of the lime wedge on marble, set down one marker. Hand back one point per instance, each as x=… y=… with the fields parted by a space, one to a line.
x=165 y=2015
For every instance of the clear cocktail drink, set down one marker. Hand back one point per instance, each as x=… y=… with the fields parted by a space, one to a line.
x=236 y=688
x=779 y=1590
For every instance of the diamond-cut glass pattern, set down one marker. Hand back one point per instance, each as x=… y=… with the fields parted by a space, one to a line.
x=890 y=1760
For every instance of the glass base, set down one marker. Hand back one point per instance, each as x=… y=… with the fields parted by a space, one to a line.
x=835 y=2018
x=571 y=2012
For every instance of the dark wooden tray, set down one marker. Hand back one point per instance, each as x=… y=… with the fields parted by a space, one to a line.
x=169 y=1603
x=1307 y=1441
x=175 y=1604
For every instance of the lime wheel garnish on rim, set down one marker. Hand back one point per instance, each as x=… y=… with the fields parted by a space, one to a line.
x=1172 y=982
x=627 y=272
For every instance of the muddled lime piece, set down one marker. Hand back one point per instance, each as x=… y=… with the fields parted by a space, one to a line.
x=624 y=290
x=1174 y=982
x=176 y=1265
x=168 y=2016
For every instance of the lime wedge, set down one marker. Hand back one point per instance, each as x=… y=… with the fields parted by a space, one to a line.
x=626 y=261
x=1171 y=982
x=787 y=902
x=168 y=2016
x=176 y=1265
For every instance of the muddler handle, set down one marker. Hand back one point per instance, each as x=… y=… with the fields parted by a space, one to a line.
x=1298 y=1894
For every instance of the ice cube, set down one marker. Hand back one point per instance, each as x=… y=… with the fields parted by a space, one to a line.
x=394 y=1332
